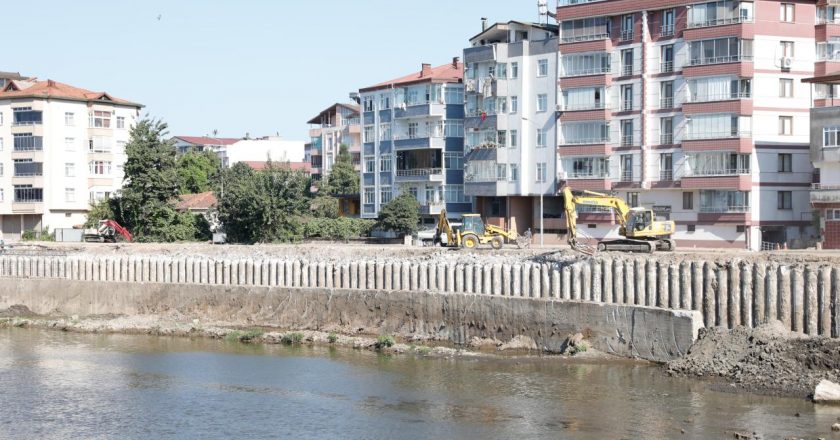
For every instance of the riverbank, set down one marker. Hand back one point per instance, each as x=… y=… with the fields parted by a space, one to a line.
x=21 y=317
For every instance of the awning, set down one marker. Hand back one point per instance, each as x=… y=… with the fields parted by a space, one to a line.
x=833 y=78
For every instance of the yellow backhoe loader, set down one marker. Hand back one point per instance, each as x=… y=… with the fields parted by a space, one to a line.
x=639 y=227
x=473 y=232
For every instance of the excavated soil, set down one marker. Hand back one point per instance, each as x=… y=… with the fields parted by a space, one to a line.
x=765 y=360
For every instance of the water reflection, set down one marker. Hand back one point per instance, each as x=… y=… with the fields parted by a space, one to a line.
x=59 y=385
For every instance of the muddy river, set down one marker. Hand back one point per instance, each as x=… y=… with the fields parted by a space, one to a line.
x=70 y=386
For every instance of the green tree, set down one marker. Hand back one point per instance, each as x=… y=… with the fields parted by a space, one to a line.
x=146 y=204
x=324 y=207
x=263 y=206
x=401 y=215
x=195 y=171
x=343 y=180
x=101 y=210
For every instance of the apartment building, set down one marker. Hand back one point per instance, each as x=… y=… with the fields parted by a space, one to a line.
x=336 y=125
x=185 y=144
x=247 y=149
x=825 y=142
x=61 y=148
x=694 y=109
x=413 y=140
x=510 y=139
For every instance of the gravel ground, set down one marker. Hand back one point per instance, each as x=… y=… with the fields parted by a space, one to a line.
x=765 y=360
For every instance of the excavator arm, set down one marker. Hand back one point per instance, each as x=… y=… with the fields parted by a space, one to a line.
x=590 y=198
x=443 y=227
x=119 y=229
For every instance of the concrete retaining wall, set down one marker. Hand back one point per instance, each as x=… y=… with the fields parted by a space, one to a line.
x=644 y=332
x=730 y=294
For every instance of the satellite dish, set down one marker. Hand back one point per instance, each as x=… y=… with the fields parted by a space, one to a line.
x=543 y=6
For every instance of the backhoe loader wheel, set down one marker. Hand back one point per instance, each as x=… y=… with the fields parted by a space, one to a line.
x=497 y=243
x=672 y=246
x=470 y=241
x=602 y=247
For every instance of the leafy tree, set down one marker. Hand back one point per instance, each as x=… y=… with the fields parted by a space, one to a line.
x=401 y=215
x=343 y=179
x=324 y=207
x=195 y=171
x=101 y=210
x=338 y=228
x=263 y=206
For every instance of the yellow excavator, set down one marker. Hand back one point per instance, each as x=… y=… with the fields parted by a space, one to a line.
x=639 y=227
x=472 y=232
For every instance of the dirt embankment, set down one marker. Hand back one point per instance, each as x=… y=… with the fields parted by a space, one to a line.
x=766 y=360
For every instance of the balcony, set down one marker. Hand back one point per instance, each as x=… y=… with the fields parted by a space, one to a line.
x=603 y=70
x=706 y=135
x=706 y=61
x=666 y=30
x=586 y=141
x=666 y=67
x=733 y=179
x=626 y=35
x=666 y=139
x=627 y=140
x=420 y=175
x=587 y=37
x=719 y=22
x=480 y=54
x=433 y=208
x=626 y=70
x=420 y=109
x=586 y=181
x=666 y=175
x=714 y=97
x=28 y=143
x=665 y=103
x=29 y=169
x=825 y=193
x=418 y=141
x=24 y=195
x=626 y=176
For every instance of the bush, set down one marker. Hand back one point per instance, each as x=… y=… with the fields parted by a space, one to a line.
x=337 y=228
x=580 y=347
x=324 y=207
x=401 y=215
x=292 y=338
x=33 y=235
x=384 y=341
x=240 y=336
x=332 y=338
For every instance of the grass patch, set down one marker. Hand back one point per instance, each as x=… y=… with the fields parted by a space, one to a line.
x=243 y=336
x=292 y=338
x=332 y=338
x=384 y=341
x=424 y=350
x=581 y=347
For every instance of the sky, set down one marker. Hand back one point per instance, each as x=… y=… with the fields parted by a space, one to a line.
x=257 y=67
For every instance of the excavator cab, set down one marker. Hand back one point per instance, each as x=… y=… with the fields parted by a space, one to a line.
x=472 y=223
x=639 y=220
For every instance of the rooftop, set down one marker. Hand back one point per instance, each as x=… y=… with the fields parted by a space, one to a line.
x=56 y=90
x=452 y=72
x=294 y=166
x=331 y=110
x=204 y=140
x=498 y=31
x=193 y=202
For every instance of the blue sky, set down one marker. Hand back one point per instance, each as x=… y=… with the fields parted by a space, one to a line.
x=247 y=66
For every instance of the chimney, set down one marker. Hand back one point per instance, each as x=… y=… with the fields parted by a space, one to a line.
x=455 y=61
x=50 y=83
x=426 y=70
x=483 y=24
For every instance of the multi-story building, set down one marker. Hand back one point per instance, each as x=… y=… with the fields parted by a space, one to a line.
x=825 y=147
x=510 y=82
x=695 y=109
x=247 y=149
x=339 y=124
x=413 y=140
x=203 y=143
x=61 y=148
x=6 y=77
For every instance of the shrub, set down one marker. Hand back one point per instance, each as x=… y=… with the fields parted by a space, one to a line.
x=580 y=347
x=401 y=215
x=246 y=336
x=384 y=341
x=341 y=228
x=332 y=338
x=292 y=338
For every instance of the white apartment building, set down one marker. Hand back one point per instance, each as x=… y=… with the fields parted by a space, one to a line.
x=694 y=109
x=61 y=147
x=233 y=150
x=510 y=126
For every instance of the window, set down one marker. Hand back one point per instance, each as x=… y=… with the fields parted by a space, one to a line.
x=69 y=119
x=384 y=101
x=627 y=27
x=28 y=194
x=100 y=119
x=542 y=68
x=514 y=104
x=514 y=70
x=666 y=166
x=785 y=163
x=453 y=128
x=69 y=144
x=100 y=168
x=626 y=62
x=786 y=125
x=501 y=138
x=413 y=191
x=666 y=130
x=626 y=167
x=385 y=194
x=1 y=169
x=385 y=163
x=1 y=195
x=370 y=164
x=430 y=195
x=666 y=58
x=830 y=214
x=454 y=95
x=668 y=20
x=786 y=48
x=453 y=161
x=367 y=103
x=100 y=144
x=717 y=126
x=785 y=88
x=514 y=173
x=412 y=129
x=627 y=97
x=370 y=195
x=626 y=132
x=785 y=200
x=501 y=172
x=384 y=132
x=69 y=170
x=588 y=132
x=120 y=122
x=691 y=228
x=541 y=172
x=586 y=63
x=454 y=194
x=666 y=94
x=514 y=138
x=1 y=144
x=501 y=70
x=69 y=194
x=542 y=138
x=369 y=133
x=1 y=118
x=585 y=29
x=719 y=50
x=830 y=137
x=586 y=167
x=719 y=88
x=542 y=102
x=786 y=12
x=633 y=199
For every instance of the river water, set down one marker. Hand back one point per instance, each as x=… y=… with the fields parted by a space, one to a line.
x=78 y=386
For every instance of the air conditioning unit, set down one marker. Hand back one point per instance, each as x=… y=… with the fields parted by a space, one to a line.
x=787 y=62
x=558 y=108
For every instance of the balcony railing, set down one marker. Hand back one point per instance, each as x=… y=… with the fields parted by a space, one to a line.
x=825 y=193
x=666 y=102
x=585 y=72
x=626 y=70
x=475 y=112
x=29 y=195
x=666 y=139
x=627 y=140
x=28 y=143
x=720 y=60
x=823 y=20
x=719 y=22
x=626 y=106
x=666 y=175
x=720 y=97
x=587 y=37
x=29 y=169
x=666 y=30
x=419 y=172
x=586 y=141
x=575 y=2
x=585 y=106
x=626 y=176
x=666 y=67
x=717 y=135
x=585 y=175
x=718 y=172
x=725 y=209
x=626 y=35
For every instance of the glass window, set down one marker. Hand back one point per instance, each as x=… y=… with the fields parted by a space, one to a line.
x=100 y=119
x=785 y=163
x=514 y=138
x=542 y=138
x=786 y=48
x=69 y=119
x=785 y=200
x=385 y=163
x=370 y=164
x=785 y=88
x=542 y=68
x=542 y=102
x=69 y=170
x=514 y=172
x=830 y=137
x=514 y=104
x=384 y=194
x=541 y=172
x=688 y=200
x=453 y=161
x=786 y=125
x=69 y=194
x=514 y=70
x=120 y=122
x=786 y=11
x=370 y=195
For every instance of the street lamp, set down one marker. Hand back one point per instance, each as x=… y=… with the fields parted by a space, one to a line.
x=542 y=192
